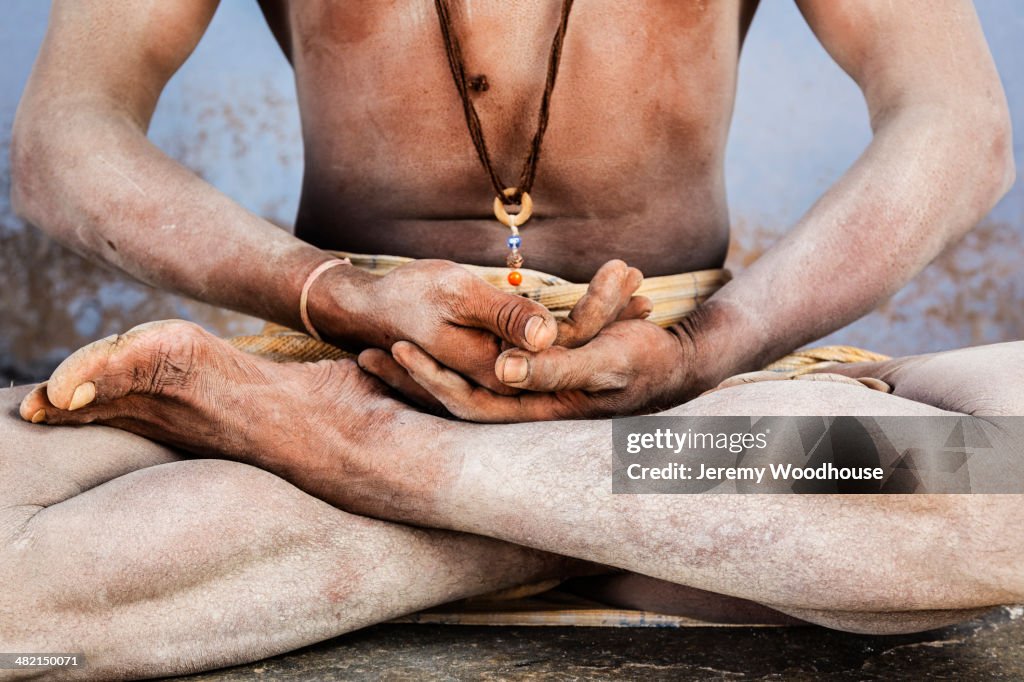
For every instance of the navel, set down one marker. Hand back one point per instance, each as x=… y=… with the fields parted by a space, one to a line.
x=479 y=83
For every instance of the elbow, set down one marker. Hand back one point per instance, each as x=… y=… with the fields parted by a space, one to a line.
x=994 y=142
x=19 y=165
x=39 y=151
x=988 y=168
x=25 y=175
x=1004 y=168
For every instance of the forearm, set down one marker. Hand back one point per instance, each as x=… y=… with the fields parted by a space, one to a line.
x=86 y=174
x=928 y=176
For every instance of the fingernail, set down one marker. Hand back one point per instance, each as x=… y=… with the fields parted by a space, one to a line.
x=533 y=327
x=82 y=396
x=400 y=353
x=39 y=417
x=540 y=332
x=514 y=369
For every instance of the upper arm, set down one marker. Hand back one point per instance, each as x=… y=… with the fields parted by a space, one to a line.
x=907 y=52
x=122 y=52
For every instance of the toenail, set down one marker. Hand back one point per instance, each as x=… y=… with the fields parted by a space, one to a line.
x=876 y=384
x=39 y=417
x=514 y=369
x=82 y=396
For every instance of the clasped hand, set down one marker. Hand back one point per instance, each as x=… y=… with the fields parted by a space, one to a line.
x=604 y=359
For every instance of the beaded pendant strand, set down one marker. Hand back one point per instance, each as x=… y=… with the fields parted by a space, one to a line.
x=515 y=257
x=462 y=83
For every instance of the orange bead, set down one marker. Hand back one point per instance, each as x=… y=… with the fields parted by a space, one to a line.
x=515 y=278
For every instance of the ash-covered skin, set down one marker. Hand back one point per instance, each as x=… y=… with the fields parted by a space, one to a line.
x=115 y=537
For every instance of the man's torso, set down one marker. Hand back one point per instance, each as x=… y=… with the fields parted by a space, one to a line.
x=632 y=163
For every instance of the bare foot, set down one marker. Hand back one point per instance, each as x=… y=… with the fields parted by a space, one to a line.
x=327 y=427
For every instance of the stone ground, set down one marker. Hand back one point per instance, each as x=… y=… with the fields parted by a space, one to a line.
x=991 y=648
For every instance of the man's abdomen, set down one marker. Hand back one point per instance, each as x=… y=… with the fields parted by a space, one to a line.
x=677 y=238
x=631 y=165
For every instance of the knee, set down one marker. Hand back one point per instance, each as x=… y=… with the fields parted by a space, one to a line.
x=14 y=440
x=10 y=400
x=223 y=488
x=1014 y=350
x=261 y=509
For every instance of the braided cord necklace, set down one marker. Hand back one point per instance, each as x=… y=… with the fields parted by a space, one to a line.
x=504 y=194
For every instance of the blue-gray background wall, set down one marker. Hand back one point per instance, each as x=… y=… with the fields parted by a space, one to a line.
x=230 y=116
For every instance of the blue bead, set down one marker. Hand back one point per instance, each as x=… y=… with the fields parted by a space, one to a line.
x=514 y=241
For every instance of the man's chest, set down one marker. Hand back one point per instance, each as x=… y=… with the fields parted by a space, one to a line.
x=640 y=85
x=509 y=41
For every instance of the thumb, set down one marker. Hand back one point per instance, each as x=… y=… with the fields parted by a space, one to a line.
x=521 y=322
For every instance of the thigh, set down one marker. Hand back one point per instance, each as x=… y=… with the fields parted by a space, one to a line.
x=152 y=564
x=41 y=466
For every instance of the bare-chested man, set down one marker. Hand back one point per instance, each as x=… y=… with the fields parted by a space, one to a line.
x=121 y=544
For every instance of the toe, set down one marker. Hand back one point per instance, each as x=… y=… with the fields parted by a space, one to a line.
x=34 y=405
x=37 y=408
x=86 y=365
x=828 y=377
x=146 y=359
x=753 y=378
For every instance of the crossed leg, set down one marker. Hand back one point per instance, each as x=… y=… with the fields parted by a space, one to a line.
x=151 y=564
x=119 y=543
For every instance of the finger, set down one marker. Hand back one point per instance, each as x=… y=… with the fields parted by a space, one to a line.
x=638 y=308
x=382 y=365
x=472 y=353
x=517 y=320
x=587 y=368
x=461 y=398
x=607 y=295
